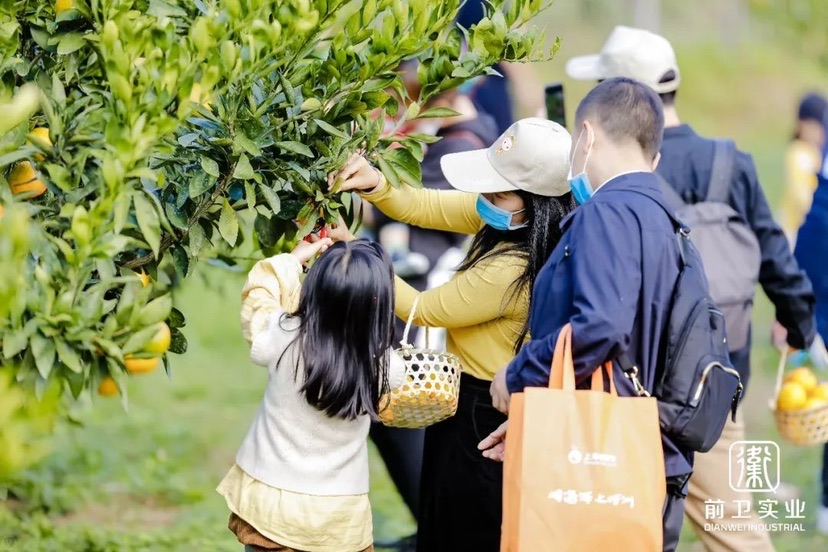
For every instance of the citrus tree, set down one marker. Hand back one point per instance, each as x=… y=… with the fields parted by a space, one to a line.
x=171 y=131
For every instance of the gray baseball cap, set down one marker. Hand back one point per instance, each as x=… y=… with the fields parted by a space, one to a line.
x=532 y=155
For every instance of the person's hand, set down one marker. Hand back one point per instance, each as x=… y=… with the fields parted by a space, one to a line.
x=305 y=251
x=779 y=336
x=499 y=392
x=357 y=174
x=818 y=354
x=494 y=446
x=340 y=232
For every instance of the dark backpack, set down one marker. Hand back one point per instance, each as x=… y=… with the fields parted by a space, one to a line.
x=727 y=245
x=696 y=385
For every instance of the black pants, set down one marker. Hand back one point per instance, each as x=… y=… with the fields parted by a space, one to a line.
x=462 y=492
x=673 y=516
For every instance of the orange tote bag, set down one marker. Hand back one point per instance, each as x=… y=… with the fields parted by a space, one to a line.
x=584 y=470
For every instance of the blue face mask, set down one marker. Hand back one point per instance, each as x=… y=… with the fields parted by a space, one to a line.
x=496 y=217
x=581 y=188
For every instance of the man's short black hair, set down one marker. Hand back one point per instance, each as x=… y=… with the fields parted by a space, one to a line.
x=625 y=109
x=668 y=98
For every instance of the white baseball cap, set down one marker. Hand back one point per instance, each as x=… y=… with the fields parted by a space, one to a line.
x=632 y=53
x=532 y=155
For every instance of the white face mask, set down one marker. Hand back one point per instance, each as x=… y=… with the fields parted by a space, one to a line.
x=429 y=127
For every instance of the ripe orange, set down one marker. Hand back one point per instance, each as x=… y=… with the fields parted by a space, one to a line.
x=161 y=340
x=108 y=388
x=814 y=403
x=24 y=180
x=141 y=365
x=792 y=396
x=804 y=377
x=63 y=5
x=40 y=134
x=820 y=392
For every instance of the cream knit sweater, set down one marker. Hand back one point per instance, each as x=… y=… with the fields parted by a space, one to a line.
x=291 y=445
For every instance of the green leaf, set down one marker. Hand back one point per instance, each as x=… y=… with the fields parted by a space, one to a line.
x=181 y=261
x=176 y=217
x=148 y=221
x=247 y=145
x=138 y=340
x=250 y=195
x=43 y=350
x=271 y=198
x=437 y=113
x=14 y=342
x=120 y=211
x=389 y=172
x=200 y=184
x=296 y=147
x=68 y=356
x=178 y=343
x=228 y=223
x=266 y=231
x=176 y=319
x=332 y=130
x=198 y=239
x=160 y=8
x=156 y=311
x=71 y=42
x=244 y=170
x=210 y=167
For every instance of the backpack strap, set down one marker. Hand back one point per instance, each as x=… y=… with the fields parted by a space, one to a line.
x=673 y=197
x=721 y=174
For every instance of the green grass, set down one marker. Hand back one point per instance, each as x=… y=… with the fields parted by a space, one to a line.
x=143 y=480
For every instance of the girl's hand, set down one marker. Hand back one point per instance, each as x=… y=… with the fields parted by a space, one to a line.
x=494 y=446
x=340 y=232
x=357 y=174
x=305 y=251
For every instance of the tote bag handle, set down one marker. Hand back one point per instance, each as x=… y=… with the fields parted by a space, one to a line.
x=562 y=374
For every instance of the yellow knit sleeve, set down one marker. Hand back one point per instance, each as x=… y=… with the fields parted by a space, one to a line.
x=446 y=210
x=272 y=285
x=480 y=294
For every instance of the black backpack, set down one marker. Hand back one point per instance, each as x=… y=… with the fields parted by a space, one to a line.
x=696 y=385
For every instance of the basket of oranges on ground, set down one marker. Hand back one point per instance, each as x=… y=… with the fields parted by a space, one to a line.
x=801 y=406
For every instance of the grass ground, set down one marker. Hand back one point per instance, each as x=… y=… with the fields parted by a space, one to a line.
x=143 y=480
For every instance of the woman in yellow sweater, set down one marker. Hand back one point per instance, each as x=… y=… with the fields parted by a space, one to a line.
x=512 y=198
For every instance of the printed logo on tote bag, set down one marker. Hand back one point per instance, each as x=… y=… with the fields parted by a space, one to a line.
x=575 y=456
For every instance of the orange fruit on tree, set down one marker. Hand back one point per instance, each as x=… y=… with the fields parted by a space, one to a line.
x=820 y=392
x=41 y=134
x=107 y=388
x=63 y=5
x=804 y=377
x=24 y=180
x=792 y=396
x=141 y=365
x=160 y=342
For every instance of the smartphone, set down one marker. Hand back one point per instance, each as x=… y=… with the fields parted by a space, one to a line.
x=555 y=110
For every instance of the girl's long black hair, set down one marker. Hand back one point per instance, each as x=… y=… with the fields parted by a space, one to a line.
x=534 y=243
x=346 y=328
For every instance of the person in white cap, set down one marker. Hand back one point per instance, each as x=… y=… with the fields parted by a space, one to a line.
x=690 y=165
x=512 y=197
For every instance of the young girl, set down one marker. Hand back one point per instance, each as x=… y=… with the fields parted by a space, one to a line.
x=300 y=481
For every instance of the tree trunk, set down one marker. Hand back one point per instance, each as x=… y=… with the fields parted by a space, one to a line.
x=647 y=14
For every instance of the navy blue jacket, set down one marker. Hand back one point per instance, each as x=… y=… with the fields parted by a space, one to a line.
x=812 y=248
x=686 y=163
x=612 y=277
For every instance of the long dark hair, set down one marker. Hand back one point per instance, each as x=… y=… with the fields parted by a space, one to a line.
x=533 y=243
x=346 y=314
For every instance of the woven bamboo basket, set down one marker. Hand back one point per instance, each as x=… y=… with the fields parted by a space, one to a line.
x=800 y=427
x=430 y=388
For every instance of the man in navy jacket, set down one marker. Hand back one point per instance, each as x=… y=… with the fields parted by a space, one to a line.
x=612 y=275
x=686 y=164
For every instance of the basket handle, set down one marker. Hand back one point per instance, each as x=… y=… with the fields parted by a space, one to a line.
x=783 y=361
x=404 y=343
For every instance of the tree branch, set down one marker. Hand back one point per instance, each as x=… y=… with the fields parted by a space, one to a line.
x=168 y=240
